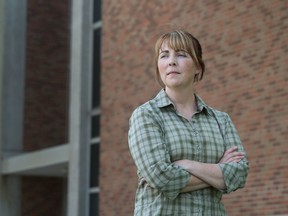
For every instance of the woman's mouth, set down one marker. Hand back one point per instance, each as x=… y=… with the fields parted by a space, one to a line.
x=172 y=73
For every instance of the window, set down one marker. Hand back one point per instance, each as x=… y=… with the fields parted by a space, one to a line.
x=94 y=147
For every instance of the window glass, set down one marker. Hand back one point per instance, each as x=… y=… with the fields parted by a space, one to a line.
x=94 y=165
x=97 y=11
x=95 y=126
x=94 y=204
x=96 y=68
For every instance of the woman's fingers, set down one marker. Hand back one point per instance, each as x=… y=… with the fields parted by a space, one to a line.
x=231 y=155
x=234 y=148
x=235 y=158
x=227 y=154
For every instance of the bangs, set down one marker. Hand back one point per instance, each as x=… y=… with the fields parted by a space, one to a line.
x=176 y=40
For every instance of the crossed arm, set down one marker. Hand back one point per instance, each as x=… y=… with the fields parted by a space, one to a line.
x=206 y=174
x=153 y=162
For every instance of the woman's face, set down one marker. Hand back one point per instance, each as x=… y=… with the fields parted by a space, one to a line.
x=176 y=67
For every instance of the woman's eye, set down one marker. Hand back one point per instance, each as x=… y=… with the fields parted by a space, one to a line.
x=163 y=56
x=182 y=54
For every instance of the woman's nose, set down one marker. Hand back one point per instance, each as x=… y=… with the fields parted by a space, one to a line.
x=172 y=62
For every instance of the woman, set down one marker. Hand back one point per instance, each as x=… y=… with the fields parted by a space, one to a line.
x=187 y=154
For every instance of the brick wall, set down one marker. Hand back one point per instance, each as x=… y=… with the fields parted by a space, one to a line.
x=245 y=50
x=42 y=196
x=47 y=65
x=46 y=98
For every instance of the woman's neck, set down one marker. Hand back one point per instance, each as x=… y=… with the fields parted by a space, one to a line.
x=184 y=100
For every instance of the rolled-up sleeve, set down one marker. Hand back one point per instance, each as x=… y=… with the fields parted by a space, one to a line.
x=148 y=149
x=235 y=174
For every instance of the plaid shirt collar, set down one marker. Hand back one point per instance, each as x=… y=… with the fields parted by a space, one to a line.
x=162 y=100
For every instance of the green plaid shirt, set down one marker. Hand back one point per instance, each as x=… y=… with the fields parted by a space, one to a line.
x=158 y=136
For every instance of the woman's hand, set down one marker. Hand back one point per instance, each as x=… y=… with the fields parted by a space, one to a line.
x=229 y=156
x=209 y=174
x=232 y=155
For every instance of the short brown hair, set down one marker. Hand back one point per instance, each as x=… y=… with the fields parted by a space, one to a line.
x=181 y=40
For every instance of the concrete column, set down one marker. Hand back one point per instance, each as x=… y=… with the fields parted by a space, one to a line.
x=79 y=107
x=12 y=73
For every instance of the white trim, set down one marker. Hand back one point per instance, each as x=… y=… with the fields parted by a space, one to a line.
x=95 y=141
x=96 y=111
x=97 y=25
x=94 y=190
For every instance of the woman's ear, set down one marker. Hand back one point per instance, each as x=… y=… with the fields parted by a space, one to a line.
x=197 y=74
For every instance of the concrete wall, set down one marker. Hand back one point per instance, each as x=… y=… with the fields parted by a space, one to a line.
x=12 y=46
x=245 y=50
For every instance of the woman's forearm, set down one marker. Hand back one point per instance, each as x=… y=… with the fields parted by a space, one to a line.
x=194 y=184
x=210 y=173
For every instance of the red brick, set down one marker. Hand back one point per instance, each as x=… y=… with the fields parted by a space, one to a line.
x=245 y=50
x=47 y=77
